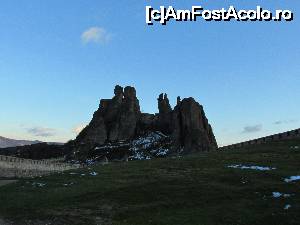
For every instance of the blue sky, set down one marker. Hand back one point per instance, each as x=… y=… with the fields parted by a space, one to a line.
x=53 y=71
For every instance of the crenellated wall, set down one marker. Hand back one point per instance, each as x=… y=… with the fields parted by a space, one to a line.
x=281 y=136
x=16 y=167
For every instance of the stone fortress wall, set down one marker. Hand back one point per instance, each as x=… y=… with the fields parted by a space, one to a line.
x=12 y=167
x=281 y=136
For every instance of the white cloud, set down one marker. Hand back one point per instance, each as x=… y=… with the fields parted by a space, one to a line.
x=78 y=128
x=252 y=129
x=95 y=35
x=41 y=131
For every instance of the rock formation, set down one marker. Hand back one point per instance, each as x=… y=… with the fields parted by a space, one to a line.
x=191 y=130
x=116 y=119
x=120 y=120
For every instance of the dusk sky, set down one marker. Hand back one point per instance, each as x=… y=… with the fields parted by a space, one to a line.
x=58 y=58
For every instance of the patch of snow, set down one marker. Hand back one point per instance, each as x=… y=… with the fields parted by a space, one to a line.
x=161 y=134
x=83 y=174
x=162 y=152
x=93 y=173
x=37 y=184
x=261 y=168
x=145 y=143
x=68 y=184
x=111 y=146
x=72 y=173
x=137 y=155
x=292 y=178
x=286 y=207
x=148 y=140
x=90 y=161
x=278 y=195
x=295 y=147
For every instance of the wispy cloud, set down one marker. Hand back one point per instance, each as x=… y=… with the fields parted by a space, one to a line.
x=41 y=131
x=252 y=129
x=96 y=35
x=78 y=128
x=279 y=122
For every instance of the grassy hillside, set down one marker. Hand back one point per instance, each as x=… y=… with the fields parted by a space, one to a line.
x=194 y=190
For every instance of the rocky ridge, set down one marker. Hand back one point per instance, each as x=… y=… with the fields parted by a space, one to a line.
x=120 y=131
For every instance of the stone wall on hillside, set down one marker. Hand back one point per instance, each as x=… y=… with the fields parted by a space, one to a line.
x=11 y=167
x=281 y=136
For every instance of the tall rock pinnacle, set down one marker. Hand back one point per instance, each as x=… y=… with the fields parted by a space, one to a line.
x=120 y=119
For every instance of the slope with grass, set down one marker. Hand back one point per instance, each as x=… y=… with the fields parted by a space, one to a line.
x=228 y=188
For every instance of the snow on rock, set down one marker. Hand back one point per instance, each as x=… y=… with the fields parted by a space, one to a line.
x=292 y=178
x=112 y=146
x=150 y=145
x=145 y=147
x=138 y=155
x=162 y=152
x=90 y=161
x=276 y=194
x=261 y=168
x=148 y=140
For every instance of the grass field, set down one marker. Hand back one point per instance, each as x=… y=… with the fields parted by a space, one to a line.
x=198 y=189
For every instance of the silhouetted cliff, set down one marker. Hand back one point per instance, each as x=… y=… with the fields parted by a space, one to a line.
x=119 y=120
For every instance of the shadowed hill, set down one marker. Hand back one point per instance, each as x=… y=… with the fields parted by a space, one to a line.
x=36 y=151
x=7 y=142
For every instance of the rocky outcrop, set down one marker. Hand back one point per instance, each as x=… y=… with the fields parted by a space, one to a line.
x=191 y=130
x=116 y=119
x=120 y=120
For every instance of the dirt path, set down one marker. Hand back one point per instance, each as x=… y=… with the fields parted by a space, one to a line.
x=5 y=182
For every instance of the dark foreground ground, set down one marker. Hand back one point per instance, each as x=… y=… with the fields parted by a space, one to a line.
x=193 y=190
x=6 y=182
